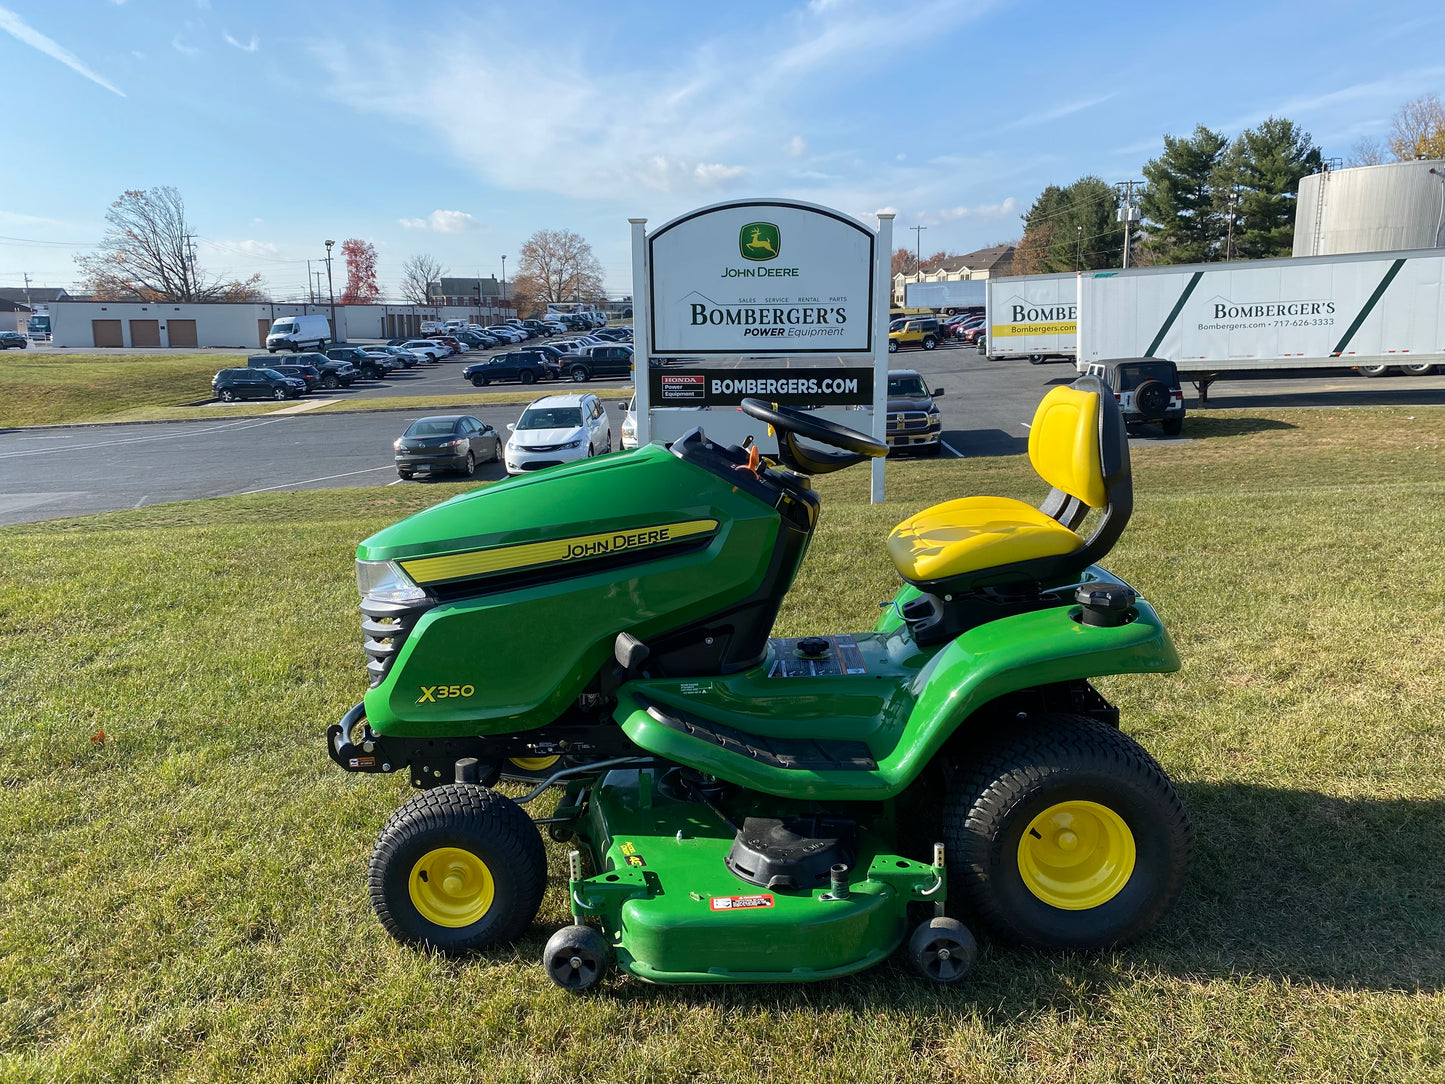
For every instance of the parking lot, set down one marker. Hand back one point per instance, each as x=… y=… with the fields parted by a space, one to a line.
x=47 y=473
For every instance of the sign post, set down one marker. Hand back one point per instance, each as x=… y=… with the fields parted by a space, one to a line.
x=882 y=299
x=774 y=279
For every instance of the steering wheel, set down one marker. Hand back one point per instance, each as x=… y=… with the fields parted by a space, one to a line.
x=791 y=424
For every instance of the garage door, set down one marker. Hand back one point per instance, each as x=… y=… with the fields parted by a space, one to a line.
x=106 y=333
x=145 y=333
x=182 y=332
x=262 y=327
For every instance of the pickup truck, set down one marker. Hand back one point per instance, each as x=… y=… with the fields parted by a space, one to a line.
x=602 y=361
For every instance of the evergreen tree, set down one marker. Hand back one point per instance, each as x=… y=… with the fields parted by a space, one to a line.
x=1265 y=164
x=1179 y=202
x=1071 y=227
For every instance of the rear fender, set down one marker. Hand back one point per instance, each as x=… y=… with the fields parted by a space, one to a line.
x=1044 y=647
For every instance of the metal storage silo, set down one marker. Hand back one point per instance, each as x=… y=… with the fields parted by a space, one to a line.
x=1399 y=205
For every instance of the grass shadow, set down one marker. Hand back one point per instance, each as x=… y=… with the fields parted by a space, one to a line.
x=1290 y=886
x=970 y=443
x=1205 y=427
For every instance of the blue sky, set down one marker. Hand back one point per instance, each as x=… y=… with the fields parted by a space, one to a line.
x=459 y=129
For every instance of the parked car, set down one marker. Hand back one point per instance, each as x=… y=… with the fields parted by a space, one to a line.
x=446 y=442
x=333 y=373
x=628 y=440
x=430 y=349
x=1147 y=390
x=14 y=339
x=456 y=345
x=297 y=333
x=371 y=366
x=506 y=334
x=914 y=421
x=599 y=361
x=528 y=366
x=558 y=429
x=232 y=384
x=913 y=331
x=399 y=354
x=299 y=370
x=554 y=327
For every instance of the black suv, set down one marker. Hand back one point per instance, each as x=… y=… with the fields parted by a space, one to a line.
x=601 y=361
x=371 y=366
x=528 y=366
x=232 y=384
x=1147 y=389
x=303 y=371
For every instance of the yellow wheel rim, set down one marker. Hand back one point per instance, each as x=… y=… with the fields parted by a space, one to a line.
x=534 y=764
x=1076 y=855
x=451 y=887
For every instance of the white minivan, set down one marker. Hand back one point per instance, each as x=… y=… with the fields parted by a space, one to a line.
x=296 y=333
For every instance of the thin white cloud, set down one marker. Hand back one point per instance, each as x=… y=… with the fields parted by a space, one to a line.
x=1045 y=116
x=22 y=31
x=1003 y=209
x=440 y=221
x=700 y=124
x=796 y=147
x=185 y=48
x=249 y=47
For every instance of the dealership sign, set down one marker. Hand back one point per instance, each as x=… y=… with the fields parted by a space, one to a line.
x=761 y=277
x=852 y=386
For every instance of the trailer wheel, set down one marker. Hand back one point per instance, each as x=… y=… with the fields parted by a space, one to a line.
x=1373 y=370
x=1037 y=359
x=1065 y=834
x=1417 y=370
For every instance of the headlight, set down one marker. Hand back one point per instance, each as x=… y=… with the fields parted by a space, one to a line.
x=386 y=581
x=572 y=444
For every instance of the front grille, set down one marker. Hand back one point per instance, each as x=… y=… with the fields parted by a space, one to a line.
x=542 y=448
x=386 y=626
x=908 y=419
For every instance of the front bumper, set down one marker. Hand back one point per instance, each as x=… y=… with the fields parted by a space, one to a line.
x=521 y=460
x=908 y=429
x=431 y=461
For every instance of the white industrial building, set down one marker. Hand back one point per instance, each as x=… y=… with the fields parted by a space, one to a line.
x=163 y=325
x=1386 y=208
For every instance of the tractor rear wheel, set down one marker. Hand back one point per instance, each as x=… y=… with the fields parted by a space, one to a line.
x=1065 y=834
x=458 y=868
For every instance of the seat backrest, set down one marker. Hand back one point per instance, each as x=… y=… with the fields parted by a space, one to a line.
x=1064 y=443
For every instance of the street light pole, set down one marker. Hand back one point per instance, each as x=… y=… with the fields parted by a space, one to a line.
x=330 y=289
x=502 y=301
x=1078 y=246
x=917 y=256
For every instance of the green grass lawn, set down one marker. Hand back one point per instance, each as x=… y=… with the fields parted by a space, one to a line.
x=186 y=901
x=60 y=389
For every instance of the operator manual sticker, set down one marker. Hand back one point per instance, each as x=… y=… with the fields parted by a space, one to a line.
x=738 y=903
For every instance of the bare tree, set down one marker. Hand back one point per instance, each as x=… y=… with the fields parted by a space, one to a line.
x=1368 y=151
x=148 y=253
x=558 y=265
x=1417 y=130
x=418 y=274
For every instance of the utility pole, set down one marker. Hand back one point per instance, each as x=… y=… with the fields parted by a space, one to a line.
x=1127 y=213
x=309 y=288
x=329 y=289
x=918 y=251
x=191 y=257
x=1078 y=247
x=1229 y=240
x=32 y=307
x=502 y=301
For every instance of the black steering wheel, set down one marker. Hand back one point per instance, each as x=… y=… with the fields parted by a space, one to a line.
x=791 y=424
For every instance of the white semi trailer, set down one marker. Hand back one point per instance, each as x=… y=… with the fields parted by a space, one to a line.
x=1373 y=311
x=1032 y=316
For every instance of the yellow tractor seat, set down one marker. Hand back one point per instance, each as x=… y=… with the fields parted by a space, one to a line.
x=973 y=533
x=1078 y=445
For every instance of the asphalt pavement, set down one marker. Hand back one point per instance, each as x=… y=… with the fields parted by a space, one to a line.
x=50 y=473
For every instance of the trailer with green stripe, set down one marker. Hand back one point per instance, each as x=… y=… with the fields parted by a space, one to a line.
x=1376 y=312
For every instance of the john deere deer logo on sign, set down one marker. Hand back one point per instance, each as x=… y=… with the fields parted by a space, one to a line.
x=759 y=241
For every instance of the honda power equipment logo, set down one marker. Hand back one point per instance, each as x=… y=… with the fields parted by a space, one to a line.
x=760 y=241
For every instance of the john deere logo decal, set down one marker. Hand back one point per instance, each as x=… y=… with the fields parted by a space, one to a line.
x=759 y=241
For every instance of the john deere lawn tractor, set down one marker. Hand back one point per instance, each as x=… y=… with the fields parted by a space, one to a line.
x=748 y=808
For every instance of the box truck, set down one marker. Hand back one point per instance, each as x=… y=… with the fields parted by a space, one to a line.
x=1032 y=316
x=1374 y=311
x=945 y=297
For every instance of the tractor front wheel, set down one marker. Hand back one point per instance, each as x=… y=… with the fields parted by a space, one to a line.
x=458 y=868
x=1065 y=834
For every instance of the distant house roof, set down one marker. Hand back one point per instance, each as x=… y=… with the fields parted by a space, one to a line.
x=38 y=295
x=984 y=259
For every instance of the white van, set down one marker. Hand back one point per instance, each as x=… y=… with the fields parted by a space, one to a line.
x=298 y=333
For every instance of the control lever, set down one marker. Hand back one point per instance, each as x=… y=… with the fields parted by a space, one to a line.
x=630 y=653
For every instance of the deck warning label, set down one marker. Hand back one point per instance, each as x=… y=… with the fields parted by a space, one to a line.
x=739 y=903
